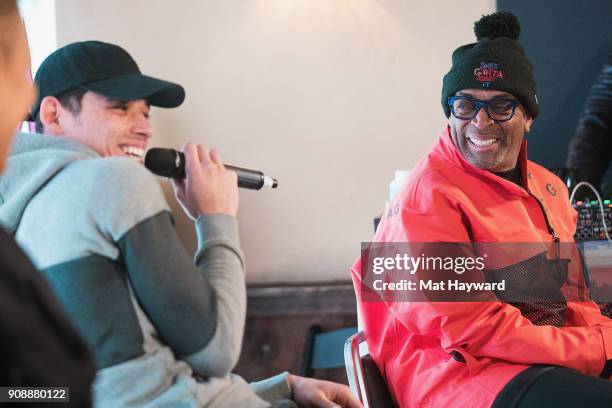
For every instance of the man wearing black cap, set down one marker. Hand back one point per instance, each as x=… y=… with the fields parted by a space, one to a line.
x=163 y=331
x=477 y=186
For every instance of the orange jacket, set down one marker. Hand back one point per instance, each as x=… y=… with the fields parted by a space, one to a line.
x=462 y=354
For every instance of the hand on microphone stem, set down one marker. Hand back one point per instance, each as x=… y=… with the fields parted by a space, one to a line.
x=208 y=186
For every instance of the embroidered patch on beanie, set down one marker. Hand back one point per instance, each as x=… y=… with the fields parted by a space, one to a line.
x=488 y=72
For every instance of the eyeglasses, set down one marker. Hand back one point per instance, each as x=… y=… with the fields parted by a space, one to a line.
x=498 y=109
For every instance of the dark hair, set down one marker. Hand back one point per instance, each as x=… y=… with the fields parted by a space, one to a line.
x=70 y=100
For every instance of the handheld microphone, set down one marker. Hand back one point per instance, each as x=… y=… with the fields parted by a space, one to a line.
x=171 y=163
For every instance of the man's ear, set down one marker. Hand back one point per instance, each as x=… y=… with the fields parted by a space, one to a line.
x=528 y=122
x=50 y=115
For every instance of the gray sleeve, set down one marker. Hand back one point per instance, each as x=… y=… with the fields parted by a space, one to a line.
x=198 y=310
x=274 y=388
x=220 y=259
x=177 y=298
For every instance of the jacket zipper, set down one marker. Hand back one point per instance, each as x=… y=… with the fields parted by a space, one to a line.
x=551 y=231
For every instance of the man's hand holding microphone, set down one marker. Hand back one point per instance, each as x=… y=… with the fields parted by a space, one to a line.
x=208 y=186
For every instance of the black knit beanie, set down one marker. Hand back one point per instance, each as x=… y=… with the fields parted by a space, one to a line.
x=496 y=62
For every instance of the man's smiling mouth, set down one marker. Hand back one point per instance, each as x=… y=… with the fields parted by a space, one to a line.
x=133 y=151
x=481 y=142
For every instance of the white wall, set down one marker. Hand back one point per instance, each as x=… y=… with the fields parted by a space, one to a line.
x=328 y=96
x=39 y=19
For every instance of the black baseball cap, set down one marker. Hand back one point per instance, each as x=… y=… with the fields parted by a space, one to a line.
x=105 y=69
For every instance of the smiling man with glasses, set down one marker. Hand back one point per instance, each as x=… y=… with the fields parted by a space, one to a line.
x=488 y=127
x=477 y=186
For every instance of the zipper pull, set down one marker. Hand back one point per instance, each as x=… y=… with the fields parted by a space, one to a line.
x=557 y=242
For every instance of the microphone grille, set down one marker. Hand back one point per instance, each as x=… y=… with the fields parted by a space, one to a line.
x=161 y=162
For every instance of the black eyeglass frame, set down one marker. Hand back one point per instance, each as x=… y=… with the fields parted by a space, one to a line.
x=483 y=104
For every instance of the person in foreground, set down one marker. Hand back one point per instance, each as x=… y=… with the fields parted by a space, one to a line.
x=163 y=331
x=476 y=186
x=38 y=345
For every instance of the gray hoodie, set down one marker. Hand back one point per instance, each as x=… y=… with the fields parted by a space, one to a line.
x=162 y=330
